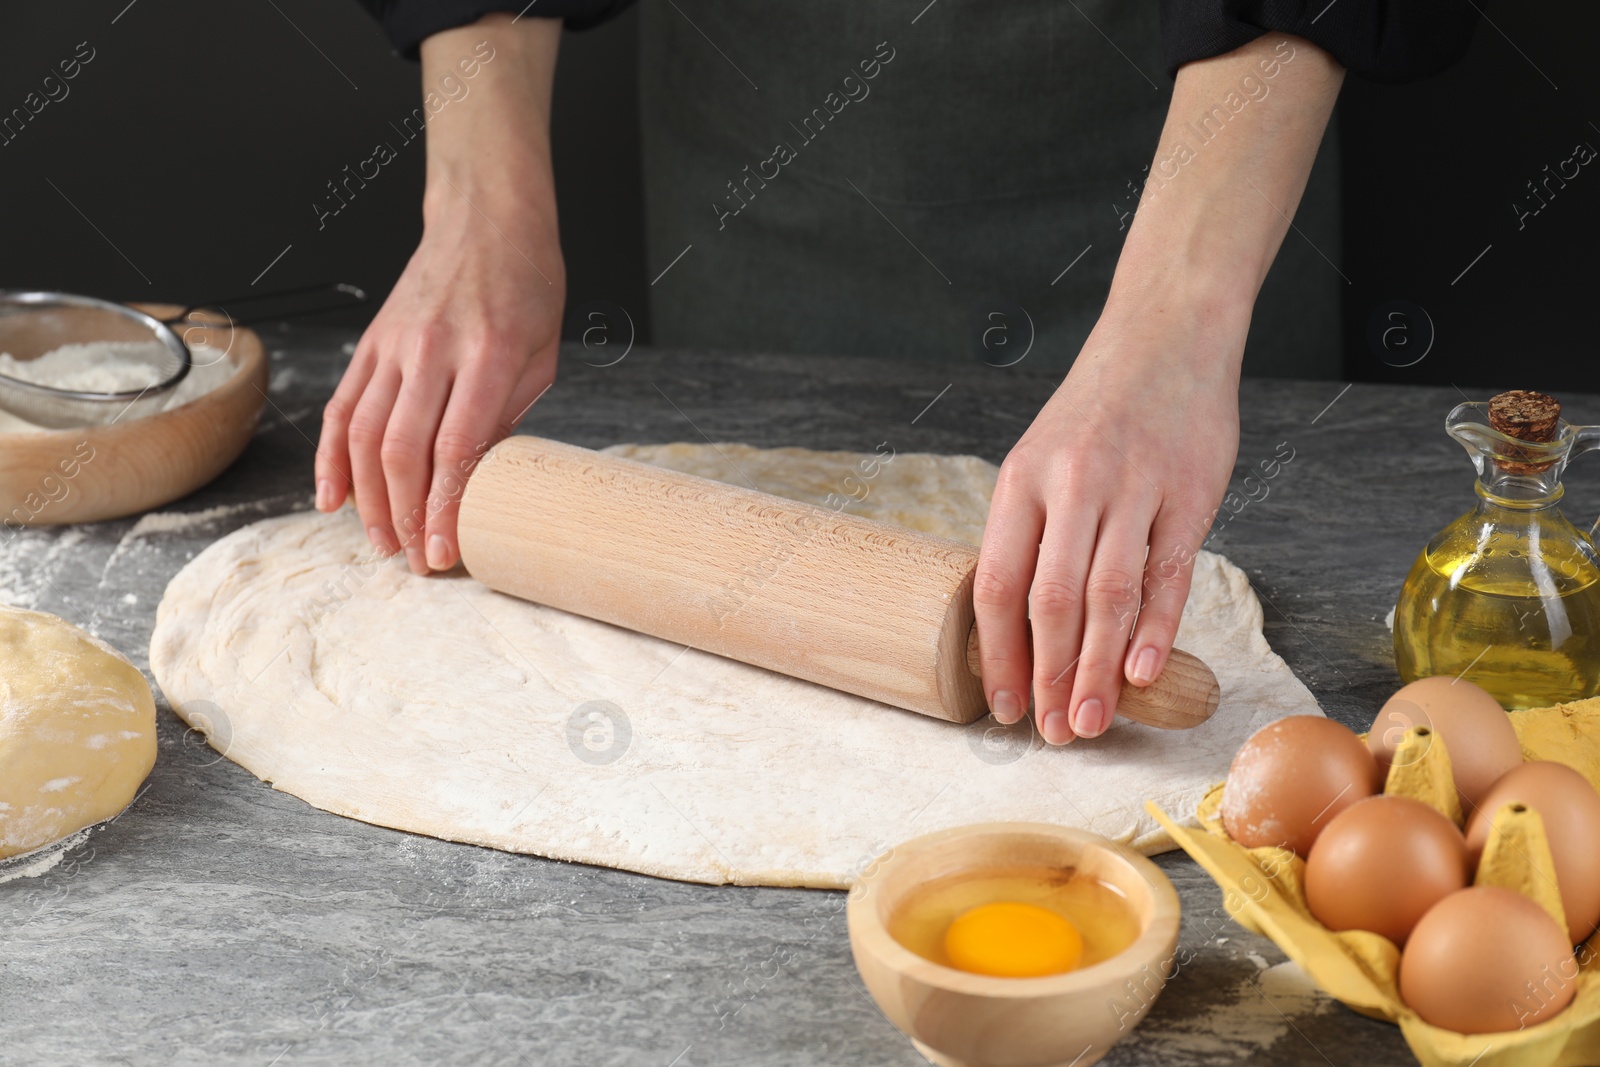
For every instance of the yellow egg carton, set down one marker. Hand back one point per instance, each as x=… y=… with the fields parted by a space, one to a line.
x=1264 y=890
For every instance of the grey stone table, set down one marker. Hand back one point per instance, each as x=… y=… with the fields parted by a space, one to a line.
x=219 y=921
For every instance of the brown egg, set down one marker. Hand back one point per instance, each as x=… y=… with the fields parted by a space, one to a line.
x=1570 y=810
x=1475 y=729
x=1486 y=960
x=1381 y=864
x=1291 y=778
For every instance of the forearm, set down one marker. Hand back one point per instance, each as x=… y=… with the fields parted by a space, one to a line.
x=468 y=338
x=1240 y=137
x=491 y=137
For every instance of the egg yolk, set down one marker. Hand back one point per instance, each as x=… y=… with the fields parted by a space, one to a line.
x=1008 y=939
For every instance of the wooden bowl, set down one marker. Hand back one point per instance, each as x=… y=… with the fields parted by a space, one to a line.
x=90 y=473
x=957 y=1019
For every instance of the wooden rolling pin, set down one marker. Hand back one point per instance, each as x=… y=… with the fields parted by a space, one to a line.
x=862 y=606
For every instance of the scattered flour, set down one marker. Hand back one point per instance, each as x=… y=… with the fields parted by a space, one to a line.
x=156 y=523
x=1256 y=1017
x=1388 y=620
x=41 y=860
x=28 y=558
x=12 y=577
x=167 y=522
x=283 y=379
x=113 y=367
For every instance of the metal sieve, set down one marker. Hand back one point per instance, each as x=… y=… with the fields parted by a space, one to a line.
x=35 y=323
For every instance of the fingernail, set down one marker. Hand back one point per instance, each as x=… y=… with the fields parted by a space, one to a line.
x=1146 y=667
x=380 y=540
x=1007 y=709
x=439 y=555
x=1055 y=728
x=324 y=494
x=1092 y=719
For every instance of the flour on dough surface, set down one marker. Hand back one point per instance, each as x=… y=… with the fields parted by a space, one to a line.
x=437 y=706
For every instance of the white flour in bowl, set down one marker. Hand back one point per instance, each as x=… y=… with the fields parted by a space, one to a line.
x=113 y=367
x=93 y=367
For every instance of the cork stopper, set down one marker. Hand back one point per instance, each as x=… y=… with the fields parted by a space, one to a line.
x=1527 y=416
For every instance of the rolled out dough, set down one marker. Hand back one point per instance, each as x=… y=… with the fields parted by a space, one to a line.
x=437 y=706
x=77 y=730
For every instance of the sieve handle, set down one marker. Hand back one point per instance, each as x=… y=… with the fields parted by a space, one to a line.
x=341 y=295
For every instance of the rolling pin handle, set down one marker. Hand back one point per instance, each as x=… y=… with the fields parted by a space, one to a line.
x=1184 y=694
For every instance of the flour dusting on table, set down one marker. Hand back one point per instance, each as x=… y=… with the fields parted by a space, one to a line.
x=1261 y=1011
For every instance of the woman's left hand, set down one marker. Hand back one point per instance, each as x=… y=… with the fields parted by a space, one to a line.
x=1099 y=511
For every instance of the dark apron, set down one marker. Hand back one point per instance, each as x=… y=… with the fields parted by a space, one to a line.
x=921 y=190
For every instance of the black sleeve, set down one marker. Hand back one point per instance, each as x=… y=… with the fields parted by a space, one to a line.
x=407 y=22
x=1384 y=40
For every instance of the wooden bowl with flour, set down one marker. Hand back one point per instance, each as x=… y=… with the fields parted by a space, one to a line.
x=92 y=473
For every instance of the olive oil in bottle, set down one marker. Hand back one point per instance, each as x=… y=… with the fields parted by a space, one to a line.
x=1508 y=595
x=1523 y=624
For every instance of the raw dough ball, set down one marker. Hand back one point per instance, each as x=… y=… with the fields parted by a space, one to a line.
x=77 y=730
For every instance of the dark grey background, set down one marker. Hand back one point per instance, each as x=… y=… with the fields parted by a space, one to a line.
x=189 y=151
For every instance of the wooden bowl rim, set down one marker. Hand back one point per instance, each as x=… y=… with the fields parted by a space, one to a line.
x=1154 y=942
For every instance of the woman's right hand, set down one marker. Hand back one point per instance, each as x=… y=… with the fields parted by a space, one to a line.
x=468 y=338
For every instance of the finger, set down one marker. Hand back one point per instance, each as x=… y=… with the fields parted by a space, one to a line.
x=1055 y=605
x=465 y=435
x=1167 y=575
x=472 y=422
x=407 y=455
x=1000 y=597
x=367 y=425
x=1111 y=607
x=333 y=449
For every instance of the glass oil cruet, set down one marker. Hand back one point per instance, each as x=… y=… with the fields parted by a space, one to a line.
x=1508 y=595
